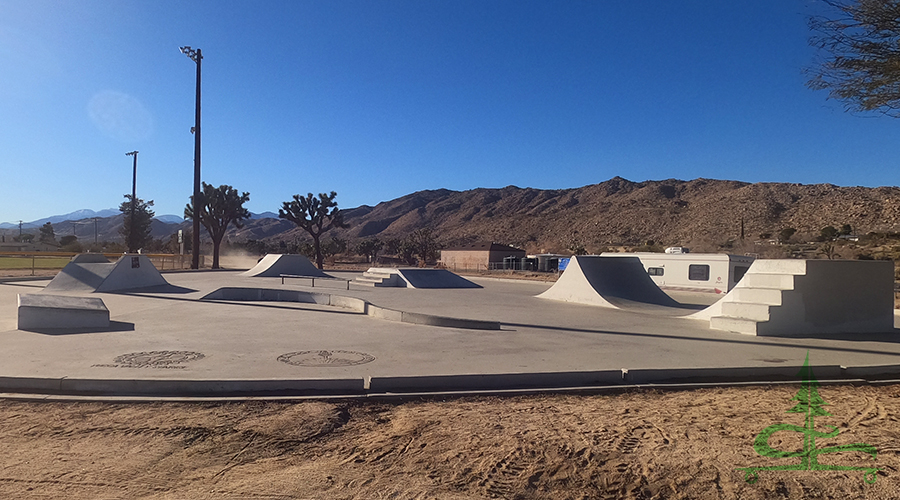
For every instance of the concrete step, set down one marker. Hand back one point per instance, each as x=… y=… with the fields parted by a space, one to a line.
x=378 y=280
x=779 y=281
x=737 y=325
x=768 y=296
x=376 y=275
x=778 y=266
x=745 y=310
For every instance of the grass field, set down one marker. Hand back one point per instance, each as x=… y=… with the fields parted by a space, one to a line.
x=38 y=262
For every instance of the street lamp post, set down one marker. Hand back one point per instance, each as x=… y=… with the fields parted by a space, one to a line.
x=131 y=239
x=196 y=56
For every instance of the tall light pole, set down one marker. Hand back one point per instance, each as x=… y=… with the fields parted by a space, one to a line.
x=131 y=239
x=196 y=56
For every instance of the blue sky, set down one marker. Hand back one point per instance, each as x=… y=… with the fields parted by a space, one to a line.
x=378 y=99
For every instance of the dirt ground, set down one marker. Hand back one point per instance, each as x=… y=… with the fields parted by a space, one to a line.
x=643 y=444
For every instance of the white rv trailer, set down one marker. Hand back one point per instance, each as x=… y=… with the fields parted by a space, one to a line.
x=697 y=272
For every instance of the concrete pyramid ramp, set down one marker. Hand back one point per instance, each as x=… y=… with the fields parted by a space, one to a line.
x=607 y=282
x=129 y=272
x=274 y=265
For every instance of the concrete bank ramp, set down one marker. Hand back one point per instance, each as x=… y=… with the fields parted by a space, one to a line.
x=274 y=265
x=790 y=297
x=416 y=277
x=615 y=282
x=131 y=271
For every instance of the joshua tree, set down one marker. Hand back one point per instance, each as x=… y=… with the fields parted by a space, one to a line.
x=219 y=207
x=315 y=216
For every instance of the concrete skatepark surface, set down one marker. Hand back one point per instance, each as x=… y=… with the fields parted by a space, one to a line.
x=171 y=343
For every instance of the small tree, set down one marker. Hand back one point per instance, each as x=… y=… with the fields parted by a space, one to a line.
x=70 y=244
x=423 y=244
x=828 y=249
x=828 y=233
x=846 y=229
x=47 y=235
x=369 y=248
x=219 y=207
x=406 y=251
x=785 y=234
x=26 y=238
x=315 y=216
x=140 y=237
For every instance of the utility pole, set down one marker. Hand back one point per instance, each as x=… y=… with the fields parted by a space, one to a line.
x=20 y=229
x=197 y=57
x=132 y=242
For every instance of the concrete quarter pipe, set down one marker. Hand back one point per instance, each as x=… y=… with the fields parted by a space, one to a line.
x=608 y=282
x=274 y=265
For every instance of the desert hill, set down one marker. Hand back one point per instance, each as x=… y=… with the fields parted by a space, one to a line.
x=702 y=213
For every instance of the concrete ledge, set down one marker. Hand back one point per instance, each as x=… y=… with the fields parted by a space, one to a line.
x=31 y=384
x=872 y=372
x=687 y=378
x=427 y=319
x=52 y=312
x=352 y=303
x=495 y=381
x=189 y=388
x=736 y=374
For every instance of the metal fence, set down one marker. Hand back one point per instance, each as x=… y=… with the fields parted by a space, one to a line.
x=33 y=261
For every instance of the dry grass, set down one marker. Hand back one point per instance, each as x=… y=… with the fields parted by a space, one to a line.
x=640 y=445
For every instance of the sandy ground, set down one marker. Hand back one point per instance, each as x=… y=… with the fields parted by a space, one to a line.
x=642 y=444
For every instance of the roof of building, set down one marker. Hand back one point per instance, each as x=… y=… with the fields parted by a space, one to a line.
x=482 y=247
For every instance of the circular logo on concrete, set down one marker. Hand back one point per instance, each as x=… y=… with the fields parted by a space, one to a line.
x=326 y=358
x=157 y=359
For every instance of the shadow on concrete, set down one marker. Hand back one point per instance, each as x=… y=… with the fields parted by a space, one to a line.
x=893 y=338
x=154 y=289
x=263 y=305
x=20 y=283
x=288 y=308
x=114 y=326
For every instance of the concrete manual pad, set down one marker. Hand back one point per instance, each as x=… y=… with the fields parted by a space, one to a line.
x=43 y=312
x=182 y=344
x=415 y=277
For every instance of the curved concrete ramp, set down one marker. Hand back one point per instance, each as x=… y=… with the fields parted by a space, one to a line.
x=613 y=282
x=129 y=272
x=274 y=265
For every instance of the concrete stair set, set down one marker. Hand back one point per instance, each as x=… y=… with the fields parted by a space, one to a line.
x=380 y=278
x=801 y=297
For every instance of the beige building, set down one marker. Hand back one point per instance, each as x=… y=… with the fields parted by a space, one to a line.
x=478 y=256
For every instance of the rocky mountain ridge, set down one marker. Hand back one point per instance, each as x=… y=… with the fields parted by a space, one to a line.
x=702 y=213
